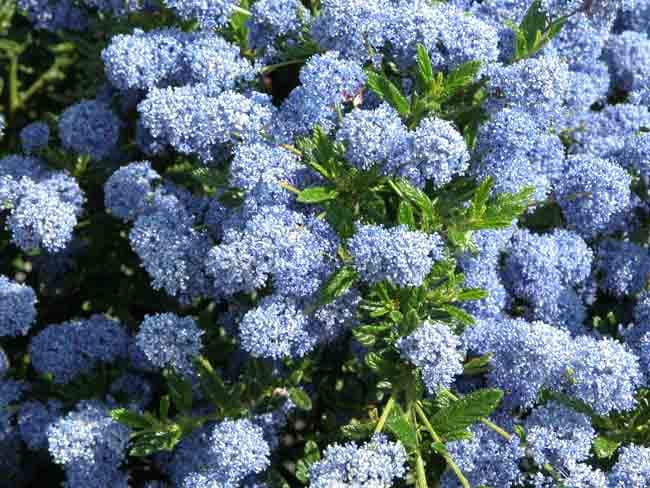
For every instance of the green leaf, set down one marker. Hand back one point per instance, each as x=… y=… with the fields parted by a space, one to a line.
x=477 y=365
x=533 y=22
x=481 y=197
x=471 y=294
x=367 y=335
x=164 y=408
x=424 y=64
x=458 y=314
x=461 y=76
x=398 y=423
x=317 y=194
x=300 y=398
x=212 y=384
x=466 y=411
x=180 y=391
x=604 y=448
x=131 y=419
x=405 y=215
x=387 y=91
x=337 y=284
x=302 y=472
x=357 y=431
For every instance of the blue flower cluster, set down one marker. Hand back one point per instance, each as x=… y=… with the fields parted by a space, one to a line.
x=397 y=254
x=435 y=349
x=73 y=348
x=17 y=307
x=43 y=206
x=170 y=341
x=90 y=445
x=190 y=169
x=222 y=454
x=379 y=462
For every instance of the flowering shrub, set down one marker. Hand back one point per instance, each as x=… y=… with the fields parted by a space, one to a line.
x=326 y=243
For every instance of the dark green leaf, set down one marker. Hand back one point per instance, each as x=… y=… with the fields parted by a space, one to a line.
x=164 y=408
x=533 y=22
x=480 y=198
x=358 y=430
x=458 y=314
x=180 y=391
x=212 y=384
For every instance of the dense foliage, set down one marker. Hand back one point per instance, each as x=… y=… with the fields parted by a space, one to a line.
x=335 y=243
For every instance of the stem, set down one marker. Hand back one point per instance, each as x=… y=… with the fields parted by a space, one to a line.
x=420 y=474
x=273 y=67
x=13 y=86
x=243 y=11
x=48 y=75
x=291 y=148
x=436 y=438
x=289 y=187
x=497 y=429
x=384 y=415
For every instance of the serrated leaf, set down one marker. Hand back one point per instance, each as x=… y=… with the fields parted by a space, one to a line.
x=461 y=76
x=481 y=197
x=405 y=215
x=317 y=194
x=458 y=314
x=302 y=472
x=387 y=91
x=471 y=294
x=399 y=425
x=300 y=398
x=604 y=448
x=337 y=284
x=466 y=411
x=424 y=64
x=312 y=452
x=367 y=335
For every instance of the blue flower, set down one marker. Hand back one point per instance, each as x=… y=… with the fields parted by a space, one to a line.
x=34 y=137
x=557 y=435
x=379 y=462
x=89 y=128
x=397 y=254
x=17 y=308
x=170 y=341
x=143 y=60
x=632 y=470
x=437 y=351
x=591 y=193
